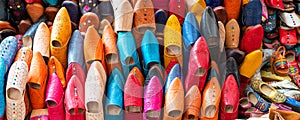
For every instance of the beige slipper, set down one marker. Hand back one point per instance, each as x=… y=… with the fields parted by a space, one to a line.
x=123 y=16
x=15 y=91
x=94 y=91
x=41 y=41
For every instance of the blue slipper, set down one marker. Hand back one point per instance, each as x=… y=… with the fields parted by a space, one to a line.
x=128 y=53
x=252 y=13
x=75 y=50
x=2 y=82
x=9 y=48
x=114 y=101
x=150 y=51
x=190 y=32
x=174 y=73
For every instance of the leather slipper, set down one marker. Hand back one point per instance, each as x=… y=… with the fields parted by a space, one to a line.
x=15 y=89
x=41 y=41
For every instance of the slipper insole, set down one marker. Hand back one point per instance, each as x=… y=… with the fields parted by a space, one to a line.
x=51 y=103
x=210 y=111
x=14 y=94
x=266 y=89
x=200 y=72
x=93 y=107
x=129 y=61
x=174 y=113
x=34 y=85
x=113 y=110
x=253 y=98
x=152 y=114
x=111 y=58
x=134 y=109
x=173 y=50
x=228 y=108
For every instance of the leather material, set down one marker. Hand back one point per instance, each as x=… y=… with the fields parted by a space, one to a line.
x=221 y=14
x=41 y=40
x=209 y=30
x=24 y=54
x=153 y=96
x=270 y=24
x=123 y=12
x=198 y=65
x=174 y=100
x=128 y=55
x=232 y=8
x=29 y=35
x=73 y=11
x=211 y=97
x=232 y=68
x=2 y=84
x=237 y=54
x=213 y=3
x=9 y=47
x=5 y=33
x=251 y=63
x=158 y=71
x=76 y=50
x=51 y=2
x=41 y=114
x=96 y=72
x=294 y=104
x=114 y=92
x=160 y=21
x=24 y=25
x=197 y=9
x=232 y=34
x=144 y=16
x=93 y=43
x=6 y=25
x=103 y=23
x=15 y=87
x=160 y=5
x=37 y=81
x=112 y=57
x=75 y=69
x=287 y=37
x=150 y=51
x=252 y=39
x=133 y=96
x=74 y=100
x=222 y=33
x=55 y=98
x=51 y=12
x=55 y=66
x=290 y=19
x=94 y=91
x=172 y=40
x=192 y=103
x=87 y=20
x=60 y=35
x=106 y=10
x=174 y=73
x=178 y=8
x=277 y=4
x=230 y=98
x=261 y=103
x=252 y=13
x=190 y=32
x=35 y=11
